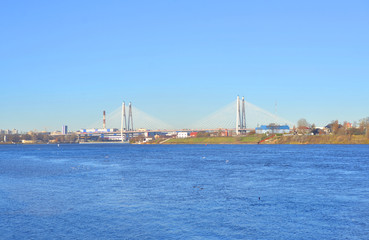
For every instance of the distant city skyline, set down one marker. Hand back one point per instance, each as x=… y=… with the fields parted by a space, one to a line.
x=63 y=63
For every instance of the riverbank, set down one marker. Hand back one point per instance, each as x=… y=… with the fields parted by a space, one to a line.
x=256 y=139
x=318 y=139
x=253 y=139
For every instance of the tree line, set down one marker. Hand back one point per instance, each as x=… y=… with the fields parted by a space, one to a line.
x=337 y=128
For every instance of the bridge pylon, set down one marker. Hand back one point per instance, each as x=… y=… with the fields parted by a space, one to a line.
x=241 y=117
x=126 y=128
x=130 y=120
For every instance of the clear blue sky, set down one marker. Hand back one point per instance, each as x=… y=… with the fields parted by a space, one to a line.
x=63 y=62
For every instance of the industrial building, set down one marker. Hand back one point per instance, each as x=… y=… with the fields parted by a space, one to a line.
x=65 y=130
x=14 y=131
x=272 y=129
x=99 y=130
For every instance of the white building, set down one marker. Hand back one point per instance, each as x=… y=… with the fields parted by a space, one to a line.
x=171 y=134
x=182 y=135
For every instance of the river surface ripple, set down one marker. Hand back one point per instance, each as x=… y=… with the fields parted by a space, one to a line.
x=115 y=191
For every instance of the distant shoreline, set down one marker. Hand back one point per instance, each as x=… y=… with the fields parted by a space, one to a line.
x=259 y=139
x=242 y=140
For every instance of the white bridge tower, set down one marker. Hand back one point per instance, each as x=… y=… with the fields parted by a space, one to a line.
x=241 y=117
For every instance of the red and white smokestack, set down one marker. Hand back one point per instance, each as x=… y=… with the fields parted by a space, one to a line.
x=104 y=120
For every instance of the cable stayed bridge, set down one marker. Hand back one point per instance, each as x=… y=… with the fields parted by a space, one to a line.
x=227 y=116
x=239 y=116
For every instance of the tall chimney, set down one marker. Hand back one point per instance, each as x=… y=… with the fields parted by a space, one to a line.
x=104 y=120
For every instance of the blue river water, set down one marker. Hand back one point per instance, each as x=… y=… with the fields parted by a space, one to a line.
x=114 y=191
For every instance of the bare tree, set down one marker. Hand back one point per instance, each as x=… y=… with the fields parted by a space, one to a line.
x=335 y=127
x=364 y=125
x=302 y=123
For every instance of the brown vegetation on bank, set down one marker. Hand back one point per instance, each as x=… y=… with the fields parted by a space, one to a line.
x=319 y=139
